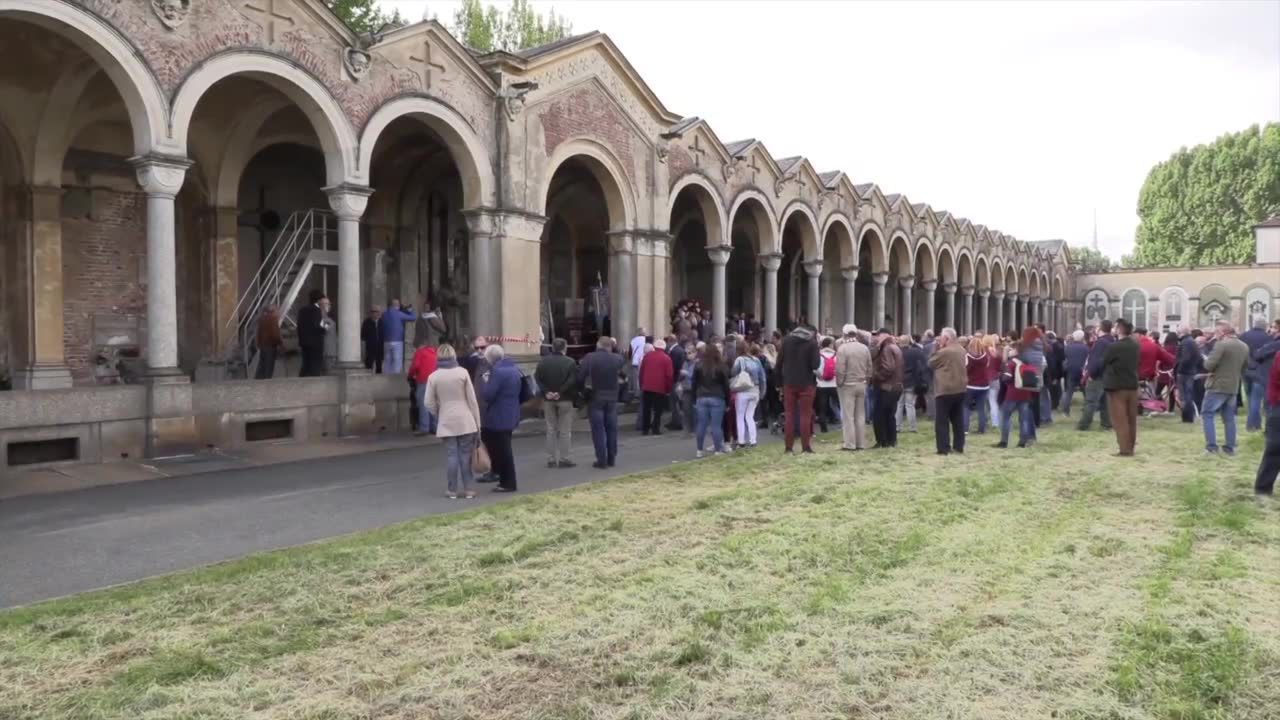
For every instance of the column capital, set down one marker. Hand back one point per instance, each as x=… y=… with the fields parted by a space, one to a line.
x=1023 y=297
x=984 y=292
x=967 y=290
x=492 y=221
x=929 y=285
x=160 y=175
x=999 y=294
x=813 y=268
x=949 y=288
x=1035 y=298
x=849 y=273
x=348 y=201
x=771 y=262
x=880 y=278
x=907 y=281
x=621 y=242
x=719 y=254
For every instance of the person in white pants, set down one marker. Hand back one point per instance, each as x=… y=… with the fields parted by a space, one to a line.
x=746 y=396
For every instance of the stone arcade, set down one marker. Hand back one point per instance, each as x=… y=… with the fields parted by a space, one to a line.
x=158 y=156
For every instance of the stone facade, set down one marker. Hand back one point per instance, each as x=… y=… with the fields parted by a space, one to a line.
x=153 y=155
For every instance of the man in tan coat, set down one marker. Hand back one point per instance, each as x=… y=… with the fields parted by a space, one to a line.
x=853 y=371
x=949 y=382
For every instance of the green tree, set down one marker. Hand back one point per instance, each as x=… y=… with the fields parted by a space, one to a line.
x=486 y=28
x=1199 y=206
x=364 y=15
x=1088 y=260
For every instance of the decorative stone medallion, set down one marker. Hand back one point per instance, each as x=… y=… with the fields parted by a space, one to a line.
x=1096 y=306
x=171 y=12
x=356 y=62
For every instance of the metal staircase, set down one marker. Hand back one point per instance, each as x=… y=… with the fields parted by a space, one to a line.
x=309 y=238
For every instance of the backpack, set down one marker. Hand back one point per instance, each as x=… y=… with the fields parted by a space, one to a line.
x=1025 y=376
x=528 y=388
x=829 y=368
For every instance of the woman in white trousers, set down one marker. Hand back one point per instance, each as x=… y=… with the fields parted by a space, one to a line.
x=746 y=399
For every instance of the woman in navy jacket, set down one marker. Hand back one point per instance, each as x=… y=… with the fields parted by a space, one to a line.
x=500 y=400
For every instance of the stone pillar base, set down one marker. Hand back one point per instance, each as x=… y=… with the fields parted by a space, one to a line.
x=212 y=370
x=171 y=423
x=357 y=413
x=43 y=377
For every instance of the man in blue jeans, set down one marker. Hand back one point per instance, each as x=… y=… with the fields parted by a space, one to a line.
x=392 y=327
x=1227 y=364
x=598 y=375
x=1255 y=384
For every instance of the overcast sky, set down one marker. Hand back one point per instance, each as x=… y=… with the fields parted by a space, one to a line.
x=1025 y=117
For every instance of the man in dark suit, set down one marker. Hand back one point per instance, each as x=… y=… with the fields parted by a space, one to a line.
x=311 y=332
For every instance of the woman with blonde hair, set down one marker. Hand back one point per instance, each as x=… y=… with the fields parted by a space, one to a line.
x=995 y=363
x=747 y=396
x=451 y=399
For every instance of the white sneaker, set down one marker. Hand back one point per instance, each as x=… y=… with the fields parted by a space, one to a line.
x=698 y=455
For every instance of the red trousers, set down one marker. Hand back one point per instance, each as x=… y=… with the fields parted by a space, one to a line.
x=797 y=403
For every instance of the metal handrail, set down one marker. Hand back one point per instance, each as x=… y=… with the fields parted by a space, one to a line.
x=305 y=230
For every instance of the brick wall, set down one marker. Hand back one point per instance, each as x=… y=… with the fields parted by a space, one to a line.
x=103 y=267
x=589 y=112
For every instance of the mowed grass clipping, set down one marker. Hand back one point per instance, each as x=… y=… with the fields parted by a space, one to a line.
x=1055 y=582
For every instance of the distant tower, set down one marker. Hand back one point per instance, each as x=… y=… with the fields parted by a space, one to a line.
x=1095 y=230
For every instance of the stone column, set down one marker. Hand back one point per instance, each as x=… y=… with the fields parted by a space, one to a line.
x=930 y=286
x=950 y=290
x=850 y=275
x=505 y=303
x=161 y=178
x=771 y=264
x=622 y=285
x=984 y=308
x=813 y=268
x=348 y=203
x=966 y=315
x=877 y=316
x=998 y=328
x=719 y=293
x=1051 y=314
x=484 y=263
x=1024 y=315
x=37 y=344
x=1011 y=312
x=907 y=309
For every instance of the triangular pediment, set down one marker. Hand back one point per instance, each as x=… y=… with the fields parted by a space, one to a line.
x=557 y=66
x=432 y=54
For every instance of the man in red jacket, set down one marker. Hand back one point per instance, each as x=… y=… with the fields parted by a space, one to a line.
x=657 y=379
x=1150 y=354
x=424 y=363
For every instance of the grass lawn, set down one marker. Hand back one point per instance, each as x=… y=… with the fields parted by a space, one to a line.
x=1056 y=582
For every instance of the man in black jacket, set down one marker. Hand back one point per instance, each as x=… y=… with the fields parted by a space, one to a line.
x=311 y=331
x=557 y=378
x=371 y=336
x=798 y=361
x=1094 y=396
x=1185 y=368
x=676 y=350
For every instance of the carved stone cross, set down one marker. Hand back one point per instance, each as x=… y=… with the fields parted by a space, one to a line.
x=754 y=168
x=270 y=14
x=800 y=181
x=698 y=151
x=427 y=64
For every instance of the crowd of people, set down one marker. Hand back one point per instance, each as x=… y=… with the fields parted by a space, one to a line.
x=730 y=387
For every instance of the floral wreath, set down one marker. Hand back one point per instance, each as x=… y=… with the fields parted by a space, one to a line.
x=688 y=306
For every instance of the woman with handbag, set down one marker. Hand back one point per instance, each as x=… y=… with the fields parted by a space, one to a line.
x=502 y=388
x=747 y=386
x=451 y=398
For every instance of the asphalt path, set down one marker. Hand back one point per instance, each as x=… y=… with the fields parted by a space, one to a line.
x=66 y=543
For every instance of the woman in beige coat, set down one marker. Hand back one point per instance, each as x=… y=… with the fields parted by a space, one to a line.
x=451 y=398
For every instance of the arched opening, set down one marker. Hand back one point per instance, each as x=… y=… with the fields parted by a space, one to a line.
x=695 y=226
x=1024 y=302
x=72 y=225
x=982 y=298
x=418 y=244
x=947 y=290
x=269 y=214
x=575 y=268
x=899 y=267
x=871 y=262
x=967 y=300
x=837 y=255
x=752 y=234
x=799 y=245
x=925 y=271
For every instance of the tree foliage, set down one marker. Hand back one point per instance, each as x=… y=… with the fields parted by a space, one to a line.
x=1199 y=206
x=364 y=15
x=1088 y=260
x=487 y=28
